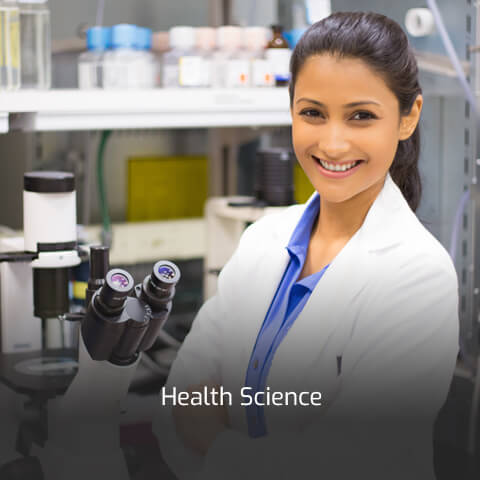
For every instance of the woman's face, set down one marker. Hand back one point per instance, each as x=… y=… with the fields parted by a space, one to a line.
x=346 y=127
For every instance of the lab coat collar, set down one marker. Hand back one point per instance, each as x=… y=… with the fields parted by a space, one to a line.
x=383 y=226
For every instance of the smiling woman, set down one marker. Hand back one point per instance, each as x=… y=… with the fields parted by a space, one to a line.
x=348 y=296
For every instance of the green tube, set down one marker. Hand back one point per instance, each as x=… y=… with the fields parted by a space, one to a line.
x=102 y=193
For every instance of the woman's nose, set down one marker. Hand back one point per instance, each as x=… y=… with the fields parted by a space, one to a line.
x=334 y=142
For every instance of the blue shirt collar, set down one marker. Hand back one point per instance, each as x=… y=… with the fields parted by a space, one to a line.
x=298 y=243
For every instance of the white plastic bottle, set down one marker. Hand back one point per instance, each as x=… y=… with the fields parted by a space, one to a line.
x=146 y=60
x=35 y=43
x=182 y=64
x=9 y=45
x=119 y=63
x=231 y=67
x=90 y=63
x=261 y=70
x=206 y=46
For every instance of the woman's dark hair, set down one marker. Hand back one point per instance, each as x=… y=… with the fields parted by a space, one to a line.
x=380 y=43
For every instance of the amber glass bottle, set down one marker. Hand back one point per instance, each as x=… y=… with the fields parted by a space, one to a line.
x=278 y=53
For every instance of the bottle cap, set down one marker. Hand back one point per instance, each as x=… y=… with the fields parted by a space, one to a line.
x=182 y=37
x=144 y=38
x=98 y=38
x=205 y=38
x=124 y=36
x=229 y=37
x=160 y=42
x=255 y=38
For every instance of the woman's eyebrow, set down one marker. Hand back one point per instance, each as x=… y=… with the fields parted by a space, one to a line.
x=348 y=105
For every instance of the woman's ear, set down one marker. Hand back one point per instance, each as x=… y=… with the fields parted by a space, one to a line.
x=409 y=122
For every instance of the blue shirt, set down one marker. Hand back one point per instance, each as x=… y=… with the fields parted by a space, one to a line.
x=288 y=302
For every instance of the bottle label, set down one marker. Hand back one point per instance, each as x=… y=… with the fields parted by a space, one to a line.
x=237 y=74
x=262 y=73
x=280 y=60
x=190 y=71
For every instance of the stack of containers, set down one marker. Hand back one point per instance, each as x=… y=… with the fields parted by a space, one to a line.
x=9 y=45
x=90 y=63
x=185 y=57
x=35 y=41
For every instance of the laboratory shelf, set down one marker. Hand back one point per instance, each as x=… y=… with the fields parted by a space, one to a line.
x=61 y=110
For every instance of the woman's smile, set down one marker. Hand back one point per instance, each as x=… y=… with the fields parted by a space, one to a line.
x=337 y=169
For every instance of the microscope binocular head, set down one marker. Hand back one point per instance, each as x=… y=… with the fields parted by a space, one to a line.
x=122 y=319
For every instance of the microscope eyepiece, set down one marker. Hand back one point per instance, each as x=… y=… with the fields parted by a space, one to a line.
x=165 y=274
x=160 y=285
x=118 y=285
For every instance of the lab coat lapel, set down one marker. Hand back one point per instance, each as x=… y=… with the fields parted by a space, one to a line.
x=269 y=272
x=322 y=330
x=323 y=327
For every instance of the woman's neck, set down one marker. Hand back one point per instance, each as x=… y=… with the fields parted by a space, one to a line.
x=340 y=220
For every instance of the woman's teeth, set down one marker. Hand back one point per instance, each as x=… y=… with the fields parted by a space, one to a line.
x=336 y=167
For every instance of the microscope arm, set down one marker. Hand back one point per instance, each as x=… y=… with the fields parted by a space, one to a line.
x=83 y=425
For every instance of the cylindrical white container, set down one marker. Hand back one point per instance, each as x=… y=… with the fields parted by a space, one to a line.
x=49 y=211
x=35 y=42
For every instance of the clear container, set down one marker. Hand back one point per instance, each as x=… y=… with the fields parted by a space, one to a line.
x=119 y=64
x=182 y=64
x=90 y=63
x=35 y=42
x=147 y=65
x=231 y=68
x=9 y=45
x=261 y=70
x=205 y=37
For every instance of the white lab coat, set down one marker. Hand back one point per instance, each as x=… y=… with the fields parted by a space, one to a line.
x=387 y=305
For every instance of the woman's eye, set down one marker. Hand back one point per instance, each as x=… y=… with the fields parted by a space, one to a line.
x=311 y=113
x=363 y=116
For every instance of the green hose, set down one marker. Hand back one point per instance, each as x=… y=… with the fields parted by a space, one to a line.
x=102 y=193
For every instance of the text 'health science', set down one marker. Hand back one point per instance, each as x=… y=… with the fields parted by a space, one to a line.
x=218 y=396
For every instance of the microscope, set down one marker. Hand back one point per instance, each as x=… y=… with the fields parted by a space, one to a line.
x=34 y=270
x=120 y=321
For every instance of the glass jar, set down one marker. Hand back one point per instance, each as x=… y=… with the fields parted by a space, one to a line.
x=35 y=42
